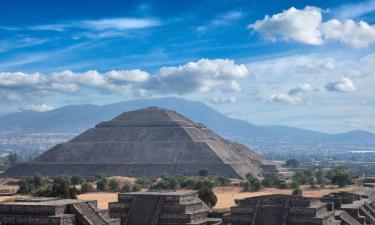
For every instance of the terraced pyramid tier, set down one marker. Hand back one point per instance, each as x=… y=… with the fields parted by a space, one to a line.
x=146 y=142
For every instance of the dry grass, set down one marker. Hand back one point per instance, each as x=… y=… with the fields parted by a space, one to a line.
x=227 y=195
x=103 y=198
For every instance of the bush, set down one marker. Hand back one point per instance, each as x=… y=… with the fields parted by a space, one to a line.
x=271 y=180
x=137 y=187
x=76 y=180
x=297 y=192
x=114 y=184
x=283 y=185
x=102 y=184
x=203 y=173
x=339 y=176
x=293 y=185
x=127 y=187
x=144 y=182
x=251 y=184
x=222 y=181
x=169 y=183
x=208 y=196
x=86 y=188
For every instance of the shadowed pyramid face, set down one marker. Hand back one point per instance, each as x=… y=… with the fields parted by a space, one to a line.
x=149 y=142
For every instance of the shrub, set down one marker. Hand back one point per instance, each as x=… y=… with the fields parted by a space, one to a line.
x=283 y=185
x=222 y=181
x=203 y=173
x=207 y=196
x=102 y=184
x=170 y=183
x=127 y=187
x=137 y=187
x=297 y=192
x=76 y=180
x=86 y=188
x=293 y=185
x=339 y=176
x=144 y=182
x=114 y=184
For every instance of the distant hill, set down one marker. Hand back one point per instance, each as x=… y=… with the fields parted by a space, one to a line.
x=77 y=118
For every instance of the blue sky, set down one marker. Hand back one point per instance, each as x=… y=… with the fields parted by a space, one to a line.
x=308 y=64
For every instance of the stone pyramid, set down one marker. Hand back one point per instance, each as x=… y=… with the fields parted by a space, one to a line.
x=146 y=142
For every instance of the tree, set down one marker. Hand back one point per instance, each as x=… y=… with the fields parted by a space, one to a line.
x=292 y=163
x=319 y=176
x=61 y=187
x=76 y=180
x=86 y=188
x=203 y=173
x=127 y=187
x=137 y=187
x=297 y=192
x=207 y=196
x=339 y=176
x=283 y=185
x=114 y=184
x=102 y=184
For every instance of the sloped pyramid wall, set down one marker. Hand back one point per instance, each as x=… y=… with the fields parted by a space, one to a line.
x=146 y=142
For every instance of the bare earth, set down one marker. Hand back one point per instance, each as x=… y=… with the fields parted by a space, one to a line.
x=225 y=195
x=103 y=198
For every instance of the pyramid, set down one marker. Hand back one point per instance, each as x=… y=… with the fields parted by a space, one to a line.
x=146 y=142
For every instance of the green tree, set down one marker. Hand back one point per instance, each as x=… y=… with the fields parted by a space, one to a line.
x=203 y=172
x=292 y=163
x=61 y=188
x=114 y=184
x=339 y=176
x=102 y=184
x=76 y=180
x=283 y=185
x=208 y=196
x=297 y=192
x=137 y=187
x=86 y=188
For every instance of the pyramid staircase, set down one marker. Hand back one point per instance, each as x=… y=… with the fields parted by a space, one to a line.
x=160 y=208
x=52 y=211
x=279 y=210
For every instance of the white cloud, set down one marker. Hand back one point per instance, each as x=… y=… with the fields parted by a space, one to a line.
x=129 y=75
x=223 y=100
x=301 y=89
x=354 y=74
x=193 y=77
x=227 y=18
x=39 y=107
x=283 y=98
x=292 y=24
x=200 y=76
x=306 y=26
x=119 y=24
x=344 y=85
x=356 y=35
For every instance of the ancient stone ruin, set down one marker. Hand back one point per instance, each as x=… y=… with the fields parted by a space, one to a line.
x=280 y=210
x=147 y=142
x=52 y=211
x=160 y=208
x=185 y=208
x=342 y=208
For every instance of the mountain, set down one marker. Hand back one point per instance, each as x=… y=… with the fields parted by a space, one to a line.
x=76 y=118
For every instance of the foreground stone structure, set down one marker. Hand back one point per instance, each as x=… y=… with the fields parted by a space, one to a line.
x=160 y=208
x=280 y=210
x=52 y=211
x=146 y=142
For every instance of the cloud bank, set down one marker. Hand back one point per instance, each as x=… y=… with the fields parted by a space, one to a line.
x=307 y=26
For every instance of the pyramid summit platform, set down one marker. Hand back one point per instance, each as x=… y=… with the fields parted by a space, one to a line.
x=146 y=142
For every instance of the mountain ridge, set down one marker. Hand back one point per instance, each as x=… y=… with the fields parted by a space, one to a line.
x=76 y=118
